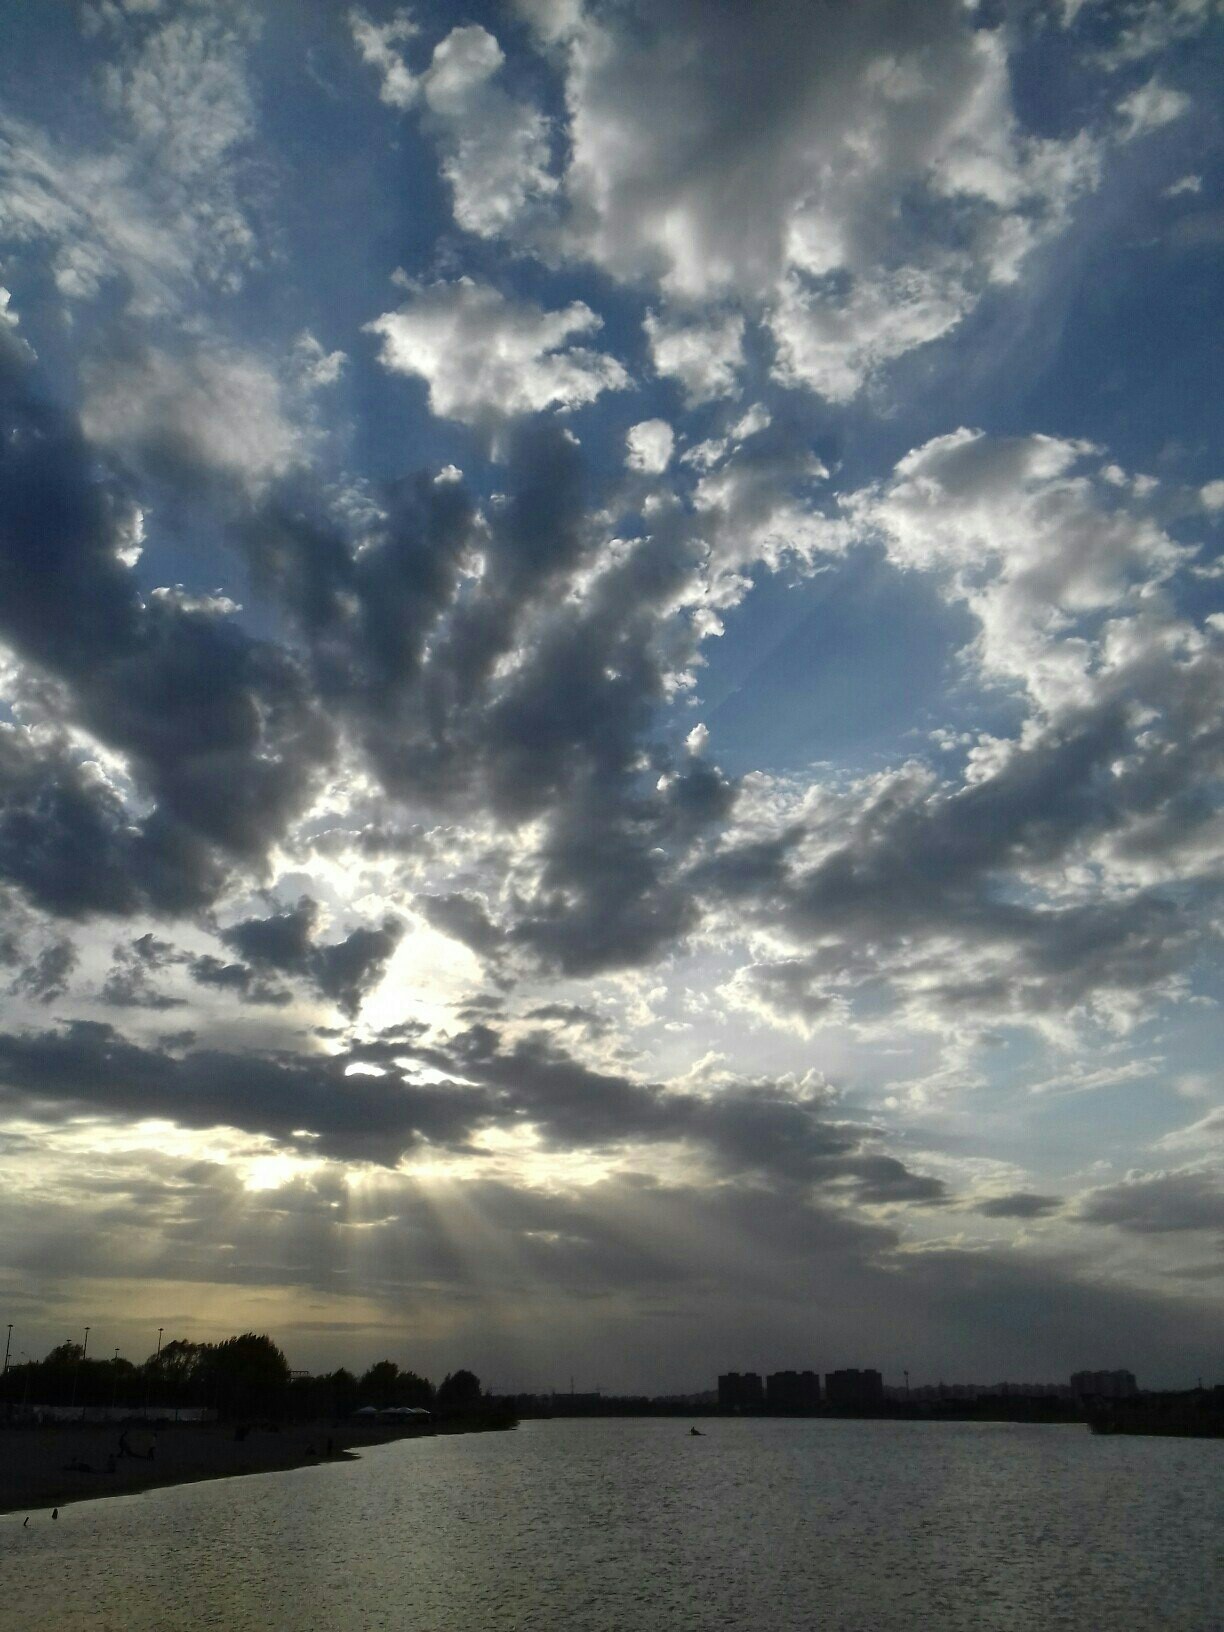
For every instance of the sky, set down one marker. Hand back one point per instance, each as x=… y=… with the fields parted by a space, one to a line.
x=612 y=684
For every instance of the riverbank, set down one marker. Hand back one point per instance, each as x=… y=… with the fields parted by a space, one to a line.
x=53 y=1465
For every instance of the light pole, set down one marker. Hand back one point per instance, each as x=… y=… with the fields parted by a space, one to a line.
x=7 y=1345
x=76 y=1374
x=156 y=1358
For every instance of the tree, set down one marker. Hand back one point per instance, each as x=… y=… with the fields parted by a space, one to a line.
x=175 y=1373
x=379 y=1385
x=246 y=1375
x=459 y=1391
x=64 y=1355
x=343 y=1387
x=415 y=1390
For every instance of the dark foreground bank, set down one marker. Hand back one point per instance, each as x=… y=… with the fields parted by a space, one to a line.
x=52 y=1465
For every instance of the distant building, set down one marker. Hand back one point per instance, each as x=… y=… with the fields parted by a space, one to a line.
x=1104 y=1385
x=740 y=1391
x=792 y=1390
x=855 y=1389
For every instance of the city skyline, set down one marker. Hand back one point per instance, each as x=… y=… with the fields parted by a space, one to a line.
x=611 y=666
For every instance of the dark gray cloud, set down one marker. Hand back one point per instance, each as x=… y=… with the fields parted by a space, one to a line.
x=464 y=918
x=89 y=1068
x=922 y=865
x=576 y=1015
x=538 y=698
x=787 y=1132
x=71 y=847
x=1160 y=1203
x=46 y=979
x=129 y=983
x=239 y=980
x=219 y=727
x=311 y=1102
x=1020 y=1204
x=343 y=971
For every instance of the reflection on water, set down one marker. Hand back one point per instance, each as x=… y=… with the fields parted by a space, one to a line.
x=633 y=1526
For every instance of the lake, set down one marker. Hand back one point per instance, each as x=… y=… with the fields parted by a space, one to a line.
x=590 y=1526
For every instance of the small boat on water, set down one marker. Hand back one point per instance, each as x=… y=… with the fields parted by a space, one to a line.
x=696 y=1433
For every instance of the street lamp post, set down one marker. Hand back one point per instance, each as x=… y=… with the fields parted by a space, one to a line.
x=76 y=1374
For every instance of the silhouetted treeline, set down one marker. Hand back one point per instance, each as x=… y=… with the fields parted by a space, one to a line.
x=1194 y=1413
x=243 y=1376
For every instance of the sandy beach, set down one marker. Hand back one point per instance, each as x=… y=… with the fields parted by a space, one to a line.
x=52 y=1465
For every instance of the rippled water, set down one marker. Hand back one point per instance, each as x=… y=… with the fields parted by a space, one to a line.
x=633 y=1526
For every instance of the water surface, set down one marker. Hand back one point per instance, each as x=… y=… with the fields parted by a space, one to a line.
x=633 y=1526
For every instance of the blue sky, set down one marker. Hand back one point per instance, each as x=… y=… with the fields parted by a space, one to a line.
x=610 y=648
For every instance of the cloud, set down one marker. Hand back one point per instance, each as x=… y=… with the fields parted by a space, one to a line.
x=598 y=1266
x=46 y=979
x=239 y=980
x=833 y=342
x=318 y=1104
x=129 y=983
x=222 y=410
x=860 y=212
x=376 y=44
x=495 y=149
x=1024 y=532
x=572 y=1014
x=89 y=1069
x=344 y=971
x=1019 y=1204
x=961 y=889
x=649 y=446
x=1149 y=107
x=705 y=355
x=316 y=365
x=282 y=683
x=216 y=728
x=483 y=354
x=1148 y=27
x=1159 y=1203
x=167 y=203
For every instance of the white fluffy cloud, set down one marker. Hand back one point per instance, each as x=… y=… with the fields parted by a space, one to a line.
x=704 y=354
x=797 y=211
x=483 y=354
x=494 y=149
x=222 y=409
x=649 y=446
x=1034 y=536
x=1149 y=107
x=377 y=43
x=832 y=343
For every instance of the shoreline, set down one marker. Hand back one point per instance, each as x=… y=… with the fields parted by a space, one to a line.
x=41 y=1467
